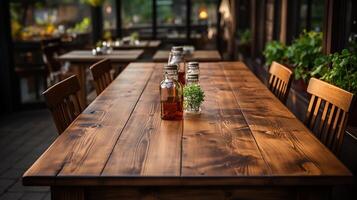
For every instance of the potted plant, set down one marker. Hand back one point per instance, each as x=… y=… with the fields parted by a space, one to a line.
x=193 y=98
x=275 y=51
x=339 y=69
x=302 y=54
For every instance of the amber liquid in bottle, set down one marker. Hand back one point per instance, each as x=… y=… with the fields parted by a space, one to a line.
x=171 y=109
x=182 y=77
x=171 y=97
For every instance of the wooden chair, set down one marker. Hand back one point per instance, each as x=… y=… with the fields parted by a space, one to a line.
x=280 y=81
x=55 y=69
x=101 y=72
x=63 y=101
x=335 y=105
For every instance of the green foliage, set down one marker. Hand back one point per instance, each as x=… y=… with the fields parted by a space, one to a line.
x=139 y=9
x=245 y=36
x=81 y=27
x=303 y=52
x=193 y=95
x=134 y=36
x=274 y=51
x=343 y=70
x=94 y=3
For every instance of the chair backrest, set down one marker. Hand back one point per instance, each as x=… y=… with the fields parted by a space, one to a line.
x=50 y=52
x=280 y=81
x=63 y=101
x=101 y=75
x=329 y=126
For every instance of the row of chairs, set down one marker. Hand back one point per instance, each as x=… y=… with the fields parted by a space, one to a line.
x=335 y=103
x=329 y=126
x=62 y=98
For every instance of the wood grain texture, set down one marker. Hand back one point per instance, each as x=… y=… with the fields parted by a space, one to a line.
x=286 y=144
x=198 y=55
x=219 y=142
x=148 y=146
x=84 y=148
x=244 y=137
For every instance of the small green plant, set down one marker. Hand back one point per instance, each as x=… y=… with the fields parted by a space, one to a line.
x=193 y=97
x=339 y=69
x=303 y=52
x=134 y=36
x=274 y=51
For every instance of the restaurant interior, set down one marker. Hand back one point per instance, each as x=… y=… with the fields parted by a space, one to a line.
x=178 y=99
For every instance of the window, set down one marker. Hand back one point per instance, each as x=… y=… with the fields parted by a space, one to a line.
x=109 y=18
x=203 y=18
x=48 y=18
x=311 y=15
x=137 y=17
x=171 y=18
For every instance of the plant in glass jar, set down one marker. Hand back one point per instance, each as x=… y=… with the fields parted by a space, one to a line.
x=193 y=98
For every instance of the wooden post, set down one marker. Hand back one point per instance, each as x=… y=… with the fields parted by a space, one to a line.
x=119 y=31
x=8 y=82
x=289 y=28
x=97 y=23
x=188 y=19
x=283 y=21
x=234 y=22
x=154 y=23
x=335 y=19
x=219 y=30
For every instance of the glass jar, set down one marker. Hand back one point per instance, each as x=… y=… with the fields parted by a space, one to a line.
x=192 y=79
x=171 y=95
x=192 y=68
x=177 y=57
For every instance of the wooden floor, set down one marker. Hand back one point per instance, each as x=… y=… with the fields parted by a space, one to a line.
x=24 y=137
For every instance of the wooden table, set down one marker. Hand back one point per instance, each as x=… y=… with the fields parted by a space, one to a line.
x=245 y=145
x=143 y=44
x=80 y=60
x=198 y=55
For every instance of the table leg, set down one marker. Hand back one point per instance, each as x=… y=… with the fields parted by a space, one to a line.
x=80 y=70
x=67 y=193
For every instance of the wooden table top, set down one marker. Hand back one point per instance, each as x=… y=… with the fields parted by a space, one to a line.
x=244 y=136
x=115 y=56
x=143 y=44
x=198 y=55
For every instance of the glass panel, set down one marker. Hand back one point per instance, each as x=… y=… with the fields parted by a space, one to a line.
x=352 y=32
x=109 y=19
x=171 y=18
x=49 y=18
x=203 y=18
x=311 y=15
x=50 y=21
x=137 y=17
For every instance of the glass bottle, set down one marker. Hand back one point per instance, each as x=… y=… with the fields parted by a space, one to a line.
x=171 y=95
x=177 y=57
